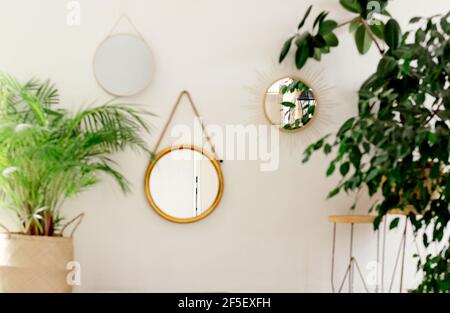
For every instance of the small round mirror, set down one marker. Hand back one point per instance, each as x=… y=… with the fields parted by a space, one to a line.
x=184 y=184
x=290 y=104
x=123 y=65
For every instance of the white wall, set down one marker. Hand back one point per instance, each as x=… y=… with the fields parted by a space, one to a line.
x=256 y=240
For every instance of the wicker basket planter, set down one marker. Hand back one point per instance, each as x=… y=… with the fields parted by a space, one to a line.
x=34 y=264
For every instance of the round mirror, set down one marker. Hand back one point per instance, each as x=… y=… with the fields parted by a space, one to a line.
x=184 y=184
x=290 y=104
x=123 y=65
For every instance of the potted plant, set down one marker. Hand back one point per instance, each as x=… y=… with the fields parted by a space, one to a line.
x=398 y=144
x=47 y=155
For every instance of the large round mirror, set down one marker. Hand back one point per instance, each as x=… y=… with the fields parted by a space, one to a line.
x=123 y=65
x=184 y=184
x=290 y=104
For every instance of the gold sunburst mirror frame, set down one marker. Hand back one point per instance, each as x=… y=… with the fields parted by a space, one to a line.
x=311 y=75
x=298 y=94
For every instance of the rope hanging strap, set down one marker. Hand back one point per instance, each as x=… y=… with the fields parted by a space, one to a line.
x=197 y=114
x=124 y=16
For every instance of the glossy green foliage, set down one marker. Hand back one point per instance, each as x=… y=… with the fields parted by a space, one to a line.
x=398 y=145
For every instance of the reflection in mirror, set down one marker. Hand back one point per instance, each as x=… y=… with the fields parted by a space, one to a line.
x=290 y=104
x=184 y=185
x=123 y=65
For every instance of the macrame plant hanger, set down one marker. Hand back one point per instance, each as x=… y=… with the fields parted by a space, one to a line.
x=197 y=115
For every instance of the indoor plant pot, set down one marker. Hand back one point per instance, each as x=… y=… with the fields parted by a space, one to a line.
x=47 y=155
x=36 y=263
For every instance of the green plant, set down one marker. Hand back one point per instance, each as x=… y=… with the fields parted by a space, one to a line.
x=48 y=155
x=398 y=144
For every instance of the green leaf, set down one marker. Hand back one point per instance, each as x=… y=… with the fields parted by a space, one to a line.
x=311 y=44
x=331 y=39
x=36 y=107
x=435 y=171
x=327 y=149
x=317 y=54
x=319 y=19
x=386 y=12
x=333 y=192
x=285 y=49
x=304 y=18
x=327 y=27
x=445 y=25
x=284 y=89
x=331 y=169
x=377 y=221
x=318 y=144
x=344 y=168
x=372 y=174
x=354 y=26
x=346 y=126
x=425 y=241
x=378 y=30
x=388 y=66
x=362 y=39
x=392 y=34
x=301 y=38
x=319 y=41
x=288 y=104
x=351 y=5
x=302 y=54
x=415 y=19
x=366 y=147
x=325 y=49
x=406 y=67
x=394 y=223
x=420 y=36
x=355 y=156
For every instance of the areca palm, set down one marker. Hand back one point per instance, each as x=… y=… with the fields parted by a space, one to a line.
x=48 y=154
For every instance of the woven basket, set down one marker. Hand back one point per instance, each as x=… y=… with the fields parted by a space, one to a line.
x=35 y=263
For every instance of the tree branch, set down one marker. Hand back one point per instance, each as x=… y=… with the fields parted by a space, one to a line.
x=433 y=114
x=348 y=22
x=372 y=35
x=366 y=26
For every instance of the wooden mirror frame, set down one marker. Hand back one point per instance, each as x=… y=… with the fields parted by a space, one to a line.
x=152 y=69
x=158 y=210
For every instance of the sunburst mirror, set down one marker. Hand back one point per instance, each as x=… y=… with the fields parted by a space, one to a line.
x=295 y=102
x=290 y=104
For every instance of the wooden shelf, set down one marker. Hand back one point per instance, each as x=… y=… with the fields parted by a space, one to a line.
x=351 y=219
x=405 y=211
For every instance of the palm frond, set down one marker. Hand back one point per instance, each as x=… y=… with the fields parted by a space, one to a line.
x=47 y=94
x=48 y=155
x=21 y=100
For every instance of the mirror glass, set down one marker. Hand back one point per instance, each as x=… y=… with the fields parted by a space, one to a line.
x=123 y=65
x=184 y=185
x=290 y=104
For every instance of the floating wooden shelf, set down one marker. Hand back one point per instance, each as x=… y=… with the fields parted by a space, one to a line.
x=351 y=219
x=405 y=211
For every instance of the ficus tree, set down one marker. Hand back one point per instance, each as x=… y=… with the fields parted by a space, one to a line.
x=397 y=147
